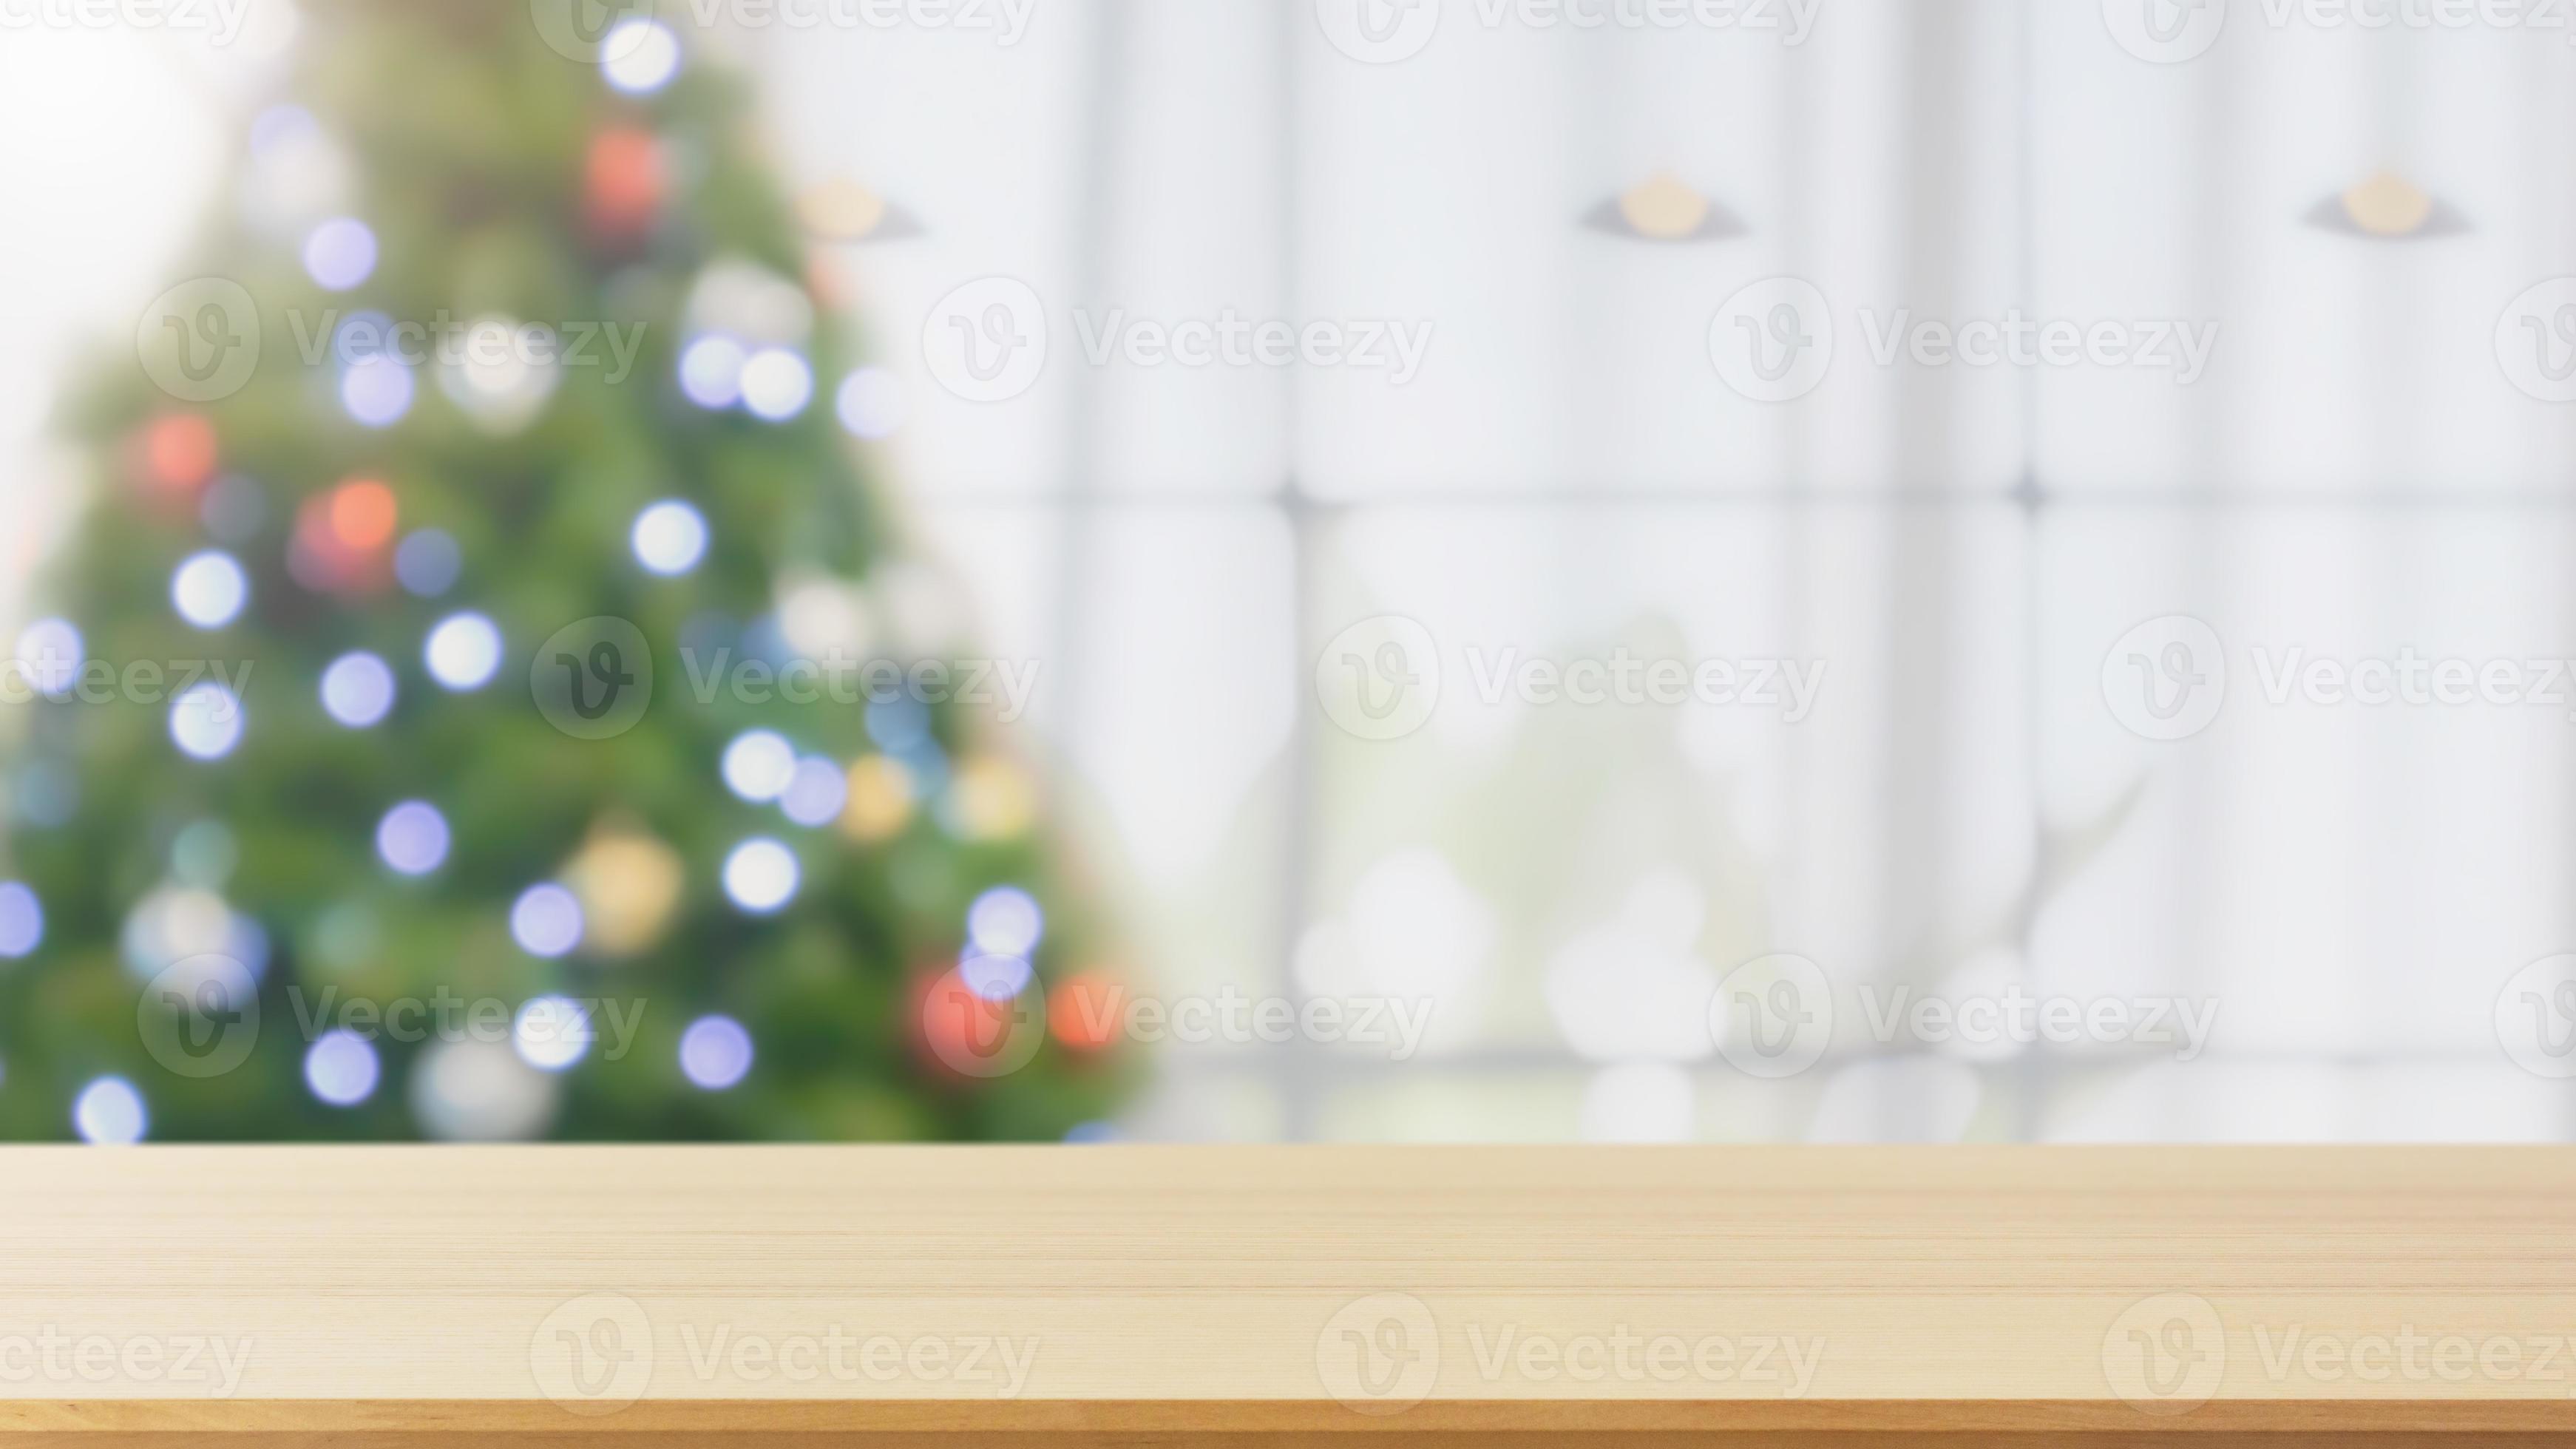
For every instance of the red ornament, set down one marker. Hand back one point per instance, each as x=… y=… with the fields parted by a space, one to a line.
x=624 y=180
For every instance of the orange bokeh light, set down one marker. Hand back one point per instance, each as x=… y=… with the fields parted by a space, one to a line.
x=363 y=515
x=179 y=450
x=1084 y=1013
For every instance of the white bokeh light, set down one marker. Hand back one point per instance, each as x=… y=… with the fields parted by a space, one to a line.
x=759 y=764
x=110 y=1113
x=870 y=403
x=342 y=1068
x=206 y=721
x=1005 y=921
x=711 y=372
x=22 y=920
x=412 y=839
x=463 y=652
x=670 y=537
x=209 y=589
x=358 y=690
x=761 y=875
x=340 y=253
x=715 y=1052
x=552 y=1032
x=776 y=384
x=815 y=793
x=49 y=656
x=546 y=920
x=639 y=56
x=377 y=390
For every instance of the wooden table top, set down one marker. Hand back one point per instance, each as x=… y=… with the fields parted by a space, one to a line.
x=1069 y=1293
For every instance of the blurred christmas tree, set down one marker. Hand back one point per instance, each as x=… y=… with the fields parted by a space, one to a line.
x=484 y=465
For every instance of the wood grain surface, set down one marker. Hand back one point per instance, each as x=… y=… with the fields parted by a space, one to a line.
x=1101 y=1295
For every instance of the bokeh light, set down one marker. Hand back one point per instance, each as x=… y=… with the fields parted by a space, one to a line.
x=110 y=1112
x=206 y=720
x=428 y=562
x=758 y=765
x=463 y=652
x=711 y=372
x=552 y=1032
x=340 y=253
x=208 y=589
x=1005 y=921
x=761 y=875
x=995 y=978
x=546 y=920
x=412 y=839
x=22 y=920
x=715 y=1053
x=670 y=537
x=376 y=390
x=358 y=689
x=50 y=653
x=776 y=384
x=870 y=403
x=342 y=1069
x=639 y=56
x=815 y=793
